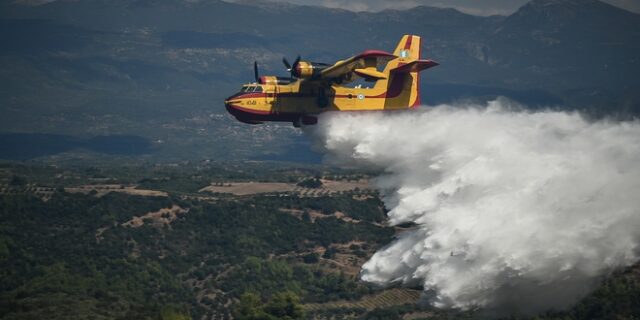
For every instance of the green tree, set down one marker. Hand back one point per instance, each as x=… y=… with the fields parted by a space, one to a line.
x=170 y=314
x=285 y=305
x=249 y=307
x=310 y=183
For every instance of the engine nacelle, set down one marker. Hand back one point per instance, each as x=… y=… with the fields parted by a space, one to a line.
x=270 y=80
x=308 y=69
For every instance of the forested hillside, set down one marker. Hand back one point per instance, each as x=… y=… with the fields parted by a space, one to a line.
x=110 y=252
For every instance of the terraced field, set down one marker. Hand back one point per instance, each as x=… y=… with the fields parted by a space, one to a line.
x=384 y=299
x=42 y=192
x=251 y=188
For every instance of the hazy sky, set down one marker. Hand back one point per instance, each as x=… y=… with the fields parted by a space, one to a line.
x=479 y=7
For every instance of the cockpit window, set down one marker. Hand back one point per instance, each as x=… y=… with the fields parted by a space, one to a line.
x=251 y=89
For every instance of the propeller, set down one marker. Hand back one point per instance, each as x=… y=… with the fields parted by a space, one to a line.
x=286 y=64
x=255 y=71
x=291 y=68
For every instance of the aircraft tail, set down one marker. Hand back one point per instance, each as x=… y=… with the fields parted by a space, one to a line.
x=408 y=50
x=403 y=78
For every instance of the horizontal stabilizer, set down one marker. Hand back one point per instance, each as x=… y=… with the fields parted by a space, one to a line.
x=415 y=66
x=370 y=73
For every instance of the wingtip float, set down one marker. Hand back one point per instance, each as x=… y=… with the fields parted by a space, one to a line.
x=313 y=88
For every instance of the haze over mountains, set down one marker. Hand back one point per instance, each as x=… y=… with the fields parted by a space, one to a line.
x=160 y=69
x=481 y=8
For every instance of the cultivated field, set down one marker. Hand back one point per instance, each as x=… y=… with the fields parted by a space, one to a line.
x=384 y=299
x=250 y=188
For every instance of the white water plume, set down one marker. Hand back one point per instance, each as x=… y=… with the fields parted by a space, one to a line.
x=517 y=211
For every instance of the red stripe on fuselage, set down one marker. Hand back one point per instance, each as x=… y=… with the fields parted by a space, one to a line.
x=258 y=115
x=418 y=99
x=234 y=109
x=407 y=45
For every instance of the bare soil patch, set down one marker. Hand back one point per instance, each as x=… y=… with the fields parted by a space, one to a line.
x=103 y=189
x=315 y=215
x=248 y=188
x=159 y=218
x=343 y=185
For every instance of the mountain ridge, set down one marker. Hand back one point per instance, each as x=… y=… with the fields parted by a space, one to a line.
x=149 y=69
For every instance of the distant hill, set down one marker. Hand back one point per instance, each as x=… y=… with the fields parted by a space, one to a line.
x=161 y=68
x=573 y=43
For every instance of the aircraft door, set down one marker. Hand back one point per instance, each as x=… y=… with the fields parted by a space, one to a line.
x=271 y=97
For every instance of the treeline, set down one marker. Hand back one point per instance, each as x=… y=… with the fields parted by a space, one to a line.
x=183 y=177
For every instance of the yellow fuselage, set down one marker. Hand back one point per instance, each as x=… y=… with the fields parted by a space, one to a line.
x=395 y=88
x=290 y=102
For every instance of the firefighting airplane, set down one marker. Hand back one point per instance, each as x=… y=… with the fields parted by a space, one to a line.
x=314 y=87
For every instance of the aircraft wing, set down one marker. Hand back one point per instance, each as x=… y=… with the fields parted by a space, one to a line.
x=415 y=66
x=363 y=65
